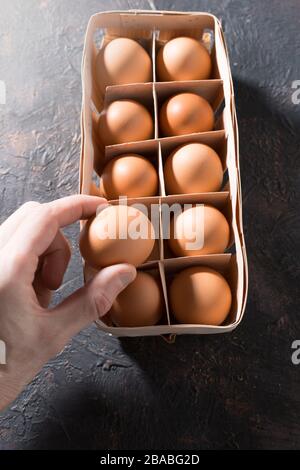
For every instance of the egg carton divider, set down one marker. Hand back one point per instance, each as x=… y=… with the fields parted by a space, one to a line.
x=215 y=139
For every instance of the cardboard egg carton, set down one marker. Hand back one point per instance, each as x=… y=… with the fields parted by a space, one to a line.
x=152 y=29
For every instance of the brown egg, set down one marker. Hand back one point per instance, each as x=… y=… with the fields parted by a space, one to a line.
x=129 y=175
x=140 y=304
x=125 y=121
x=200 y=295
x=118 y=234
x=193 y=168
x=189 y=227
x=185 y=113
x=122 y=61
x=183 y=58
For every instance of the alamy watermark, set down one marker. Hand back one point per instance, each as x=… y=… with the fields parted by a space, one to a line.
x=2 y=92
x=2 y=352
x=296 y=354
x=189 y=227
x=296 y=93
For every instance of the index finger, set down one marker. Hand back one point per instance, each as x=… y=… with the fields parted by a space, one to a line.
x=39 y=228
x=69 y=209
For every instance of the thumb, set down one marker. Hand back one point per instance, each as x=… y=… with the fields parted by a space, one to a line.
x=93 y=300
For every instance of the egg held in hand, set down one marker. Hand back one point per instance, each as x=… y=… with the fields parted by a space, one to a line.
x=185 y=113
x=129 y=175
x=193 y=168
x=118 y=234
x=200 y=295
x=140 y=304
x=125 y=121
x=122 y=61
x=183 y=58
x=199 y=230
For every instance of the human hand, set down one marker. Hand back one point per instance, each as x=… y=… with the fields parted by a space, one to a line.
x=34 y=255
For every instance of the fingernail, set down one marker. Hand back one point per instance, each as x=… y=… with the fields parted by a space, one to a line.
x=101 y=207
x=127 y=277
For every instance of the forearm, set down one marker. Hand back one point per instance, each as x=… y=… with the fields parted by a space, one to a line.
x=21 y=367
x=33 y=333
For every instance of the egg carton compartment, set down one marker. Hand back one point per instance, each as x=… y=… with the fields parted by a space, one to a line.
x=211 y=90
x=103 y=36
x=216 y=140
x=155 y=270
x=226 y=265
x=141 y=93
x=205 y=37
x=106 y=323
x=150 y=206
x=220 y=200
x=148 y=149
x=202 y=31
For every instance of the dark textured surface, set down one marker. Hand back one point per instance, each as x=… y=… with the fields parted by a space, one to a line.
x=231 y=391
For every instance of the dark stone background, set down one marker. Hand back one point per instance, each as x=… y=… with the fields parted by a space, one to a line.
x=232 y=391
